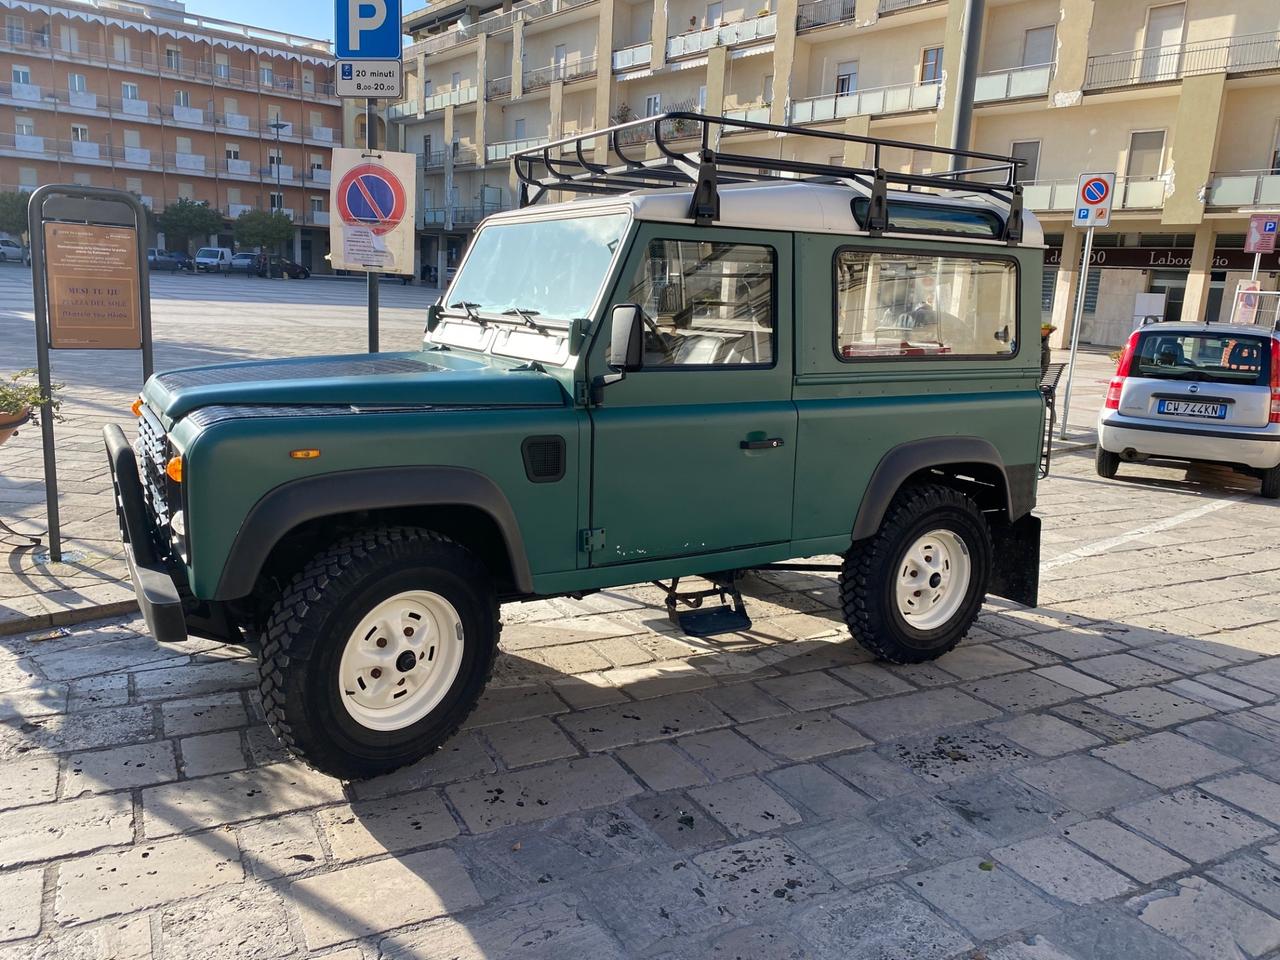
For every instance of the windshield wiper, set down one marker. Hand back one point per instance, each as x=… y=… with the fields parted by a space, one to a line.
x=527 y=316
x=470 y=308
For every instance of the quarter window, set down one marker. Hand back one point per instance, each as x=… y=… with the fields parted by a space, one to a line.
x=711 y=304
x=920 y=305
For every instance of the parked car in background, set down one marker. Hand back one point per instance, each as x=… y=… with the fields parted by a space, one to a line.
x=158 y=259
x=11 y=251
x=246 y=263
x=1196 y=393
x=213 y=259
x=185 y=260
x=276 y=267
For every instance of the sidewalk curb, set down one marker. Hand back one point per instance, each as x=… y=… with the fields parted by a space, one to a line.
x=67 y=618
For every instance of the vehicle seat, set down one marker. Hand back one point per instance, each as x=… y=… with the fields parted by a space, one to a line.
x=1243 y=356
x=1168 y=353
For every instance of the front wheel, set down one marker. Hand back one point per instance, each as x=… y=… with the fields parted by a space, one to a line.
x=912 y=591
x=378 y=650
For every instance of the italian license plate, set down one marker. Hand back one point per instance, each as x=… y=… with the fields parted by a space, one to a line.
x=1192 y=408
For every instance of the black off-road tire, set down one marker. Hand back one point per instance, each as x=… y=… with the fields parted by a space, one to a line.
x=1271 y=483
x=1106 y=463
x=869 y=574
x=311 y=622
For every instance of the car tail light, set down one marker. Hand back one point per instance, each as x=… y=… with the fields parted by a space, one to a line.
x=1122 y=371
x=1275 y=380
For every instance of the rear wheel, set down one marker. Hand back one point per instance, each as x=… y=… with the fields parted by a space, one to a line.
x=378 y=650
x=1106 y=463
x=1271 y=483
x=912 y=591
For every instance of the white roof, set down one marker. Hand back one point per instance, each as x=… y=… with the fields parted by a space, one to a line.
x=1238 y=329
x=802 y=206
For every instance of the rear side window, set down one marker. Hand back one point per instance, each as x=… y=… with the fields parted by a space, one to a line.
x=1203 y=357
x=891 y=304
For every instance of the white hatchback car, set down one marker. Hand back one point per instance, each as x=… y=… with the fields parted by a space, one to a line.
x=1196 y=392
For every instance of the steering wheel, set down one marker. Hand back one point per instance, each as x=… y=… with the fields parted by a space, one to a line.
x=667 y=353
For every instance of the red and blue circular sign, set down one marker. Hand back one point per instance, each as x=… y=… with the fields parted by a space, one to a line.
x=1095 y=191
x=370 y=195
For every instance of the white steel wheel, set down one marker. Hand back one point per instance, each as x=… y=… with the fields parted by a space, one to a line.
x=401 y=660
x=933 y=579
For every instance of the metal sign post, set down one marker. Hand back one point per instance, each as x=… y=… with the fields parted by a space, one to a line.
x=369 y=46
x=1094 y=195
x=92 y=291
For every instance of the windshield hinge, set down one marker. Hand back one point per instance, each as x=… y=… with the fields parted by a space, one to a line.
x=592 y=540
x=582 y=393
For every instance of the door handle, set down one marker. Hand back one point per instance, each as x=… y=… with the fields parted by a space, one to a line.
x=773 y=443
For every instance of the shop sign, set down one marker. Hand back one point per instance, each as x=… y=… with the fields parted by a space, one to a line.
x=1163 y=258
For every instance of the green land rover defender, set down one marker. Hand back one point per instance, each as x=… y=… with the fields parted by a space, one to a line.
x=711 y=363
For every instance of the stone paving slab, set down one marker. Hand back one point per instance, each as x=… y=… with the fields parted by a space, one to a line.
x=1097 y=778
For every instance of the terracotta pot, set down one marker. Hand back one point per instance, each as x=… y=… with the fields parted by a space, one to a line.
x=10 y=422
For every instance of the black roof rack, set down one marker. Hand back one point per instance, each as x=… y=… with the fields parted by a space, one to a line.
x=562 y=165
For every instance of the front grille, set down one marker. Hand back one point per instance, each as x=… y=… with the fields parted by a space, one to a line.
x=153 y=457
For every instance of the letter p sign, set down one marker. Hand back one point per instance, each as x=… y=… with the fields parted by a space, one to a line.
x=368 y=29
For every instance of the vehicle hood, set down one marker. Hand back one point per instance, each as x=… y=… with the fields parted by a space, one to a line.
x=426 y=379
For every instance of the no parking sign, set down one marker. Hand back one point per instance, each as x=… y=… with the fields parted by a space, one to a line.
x=372 y=202
x=1094 y=197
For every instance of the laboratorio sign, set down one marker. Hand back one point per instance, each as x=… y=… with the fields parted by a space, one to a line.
x=1165 y=258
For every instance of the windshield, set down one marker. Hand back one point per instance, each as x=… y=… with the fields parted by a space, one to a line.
x=210 y=253
x=547 y=269
x=1203 y=357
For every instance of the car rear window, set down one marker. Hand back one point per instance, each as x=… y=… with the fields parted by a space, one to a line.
x=1203 y=357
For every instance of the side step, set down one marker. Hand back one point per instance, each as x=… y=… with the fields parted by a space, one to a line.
x=729 y=617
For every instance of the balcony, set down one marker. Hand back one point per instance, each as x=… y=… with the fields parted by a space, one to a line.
x=878 y=101
x=494 y=23
x=566 y=72
x=822 y=12
x=462 y=216
x=1245 y=54
x=726 y=35
x=82 y=100
x=1245 y=188
x=1013 y=84
x=237 y=167
x=321 y=177
x=893 y=6
x=462 y=157
x=22 y=91
x=454 y=98
x=1132 y=193
x=235 y=209
x=634 y=57
x=25 y=143
x=192 y=115
x=497 y=89
x=194 y=162
x=497 y=152
x=85 y=150
x=134 y=108
x=318 y=217
x=139 y=156
x=753 y=113
x=402 y=111
x=236 y=121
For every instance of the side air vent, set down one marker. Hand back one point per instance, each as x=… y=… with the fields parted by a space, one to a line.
x=543 y=459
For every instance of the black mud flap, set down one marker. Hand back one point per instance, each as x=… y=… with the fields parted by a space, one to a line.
x=1015 y=574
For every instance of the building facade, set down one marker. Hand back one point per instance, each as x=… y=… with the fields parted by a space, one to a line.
x=148 y=98
x=1181 y=100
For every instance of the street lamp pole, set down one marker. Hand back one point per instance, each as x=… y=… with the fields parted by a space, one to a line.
x=277 y=125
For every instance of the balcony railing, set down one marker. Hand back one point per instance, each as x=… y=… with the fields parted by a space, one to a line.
x=455 y=98
x=495 y=152
x=878 y=101
x=821 y=12
x=1244 y=188
x=1032 y=81
x=756 y=113
x=1243 y=54
x=1132 y=193
x=399 y=111
x=892 y=6
x=743 y=31
x=462 y=157
x=494 y=23
x=567 y=72
x=498 y=88
x=629 y=58
x=462 y=216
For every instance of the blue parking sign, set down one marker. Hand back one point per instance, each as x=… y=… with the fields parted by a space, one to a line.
x=1270 y=226
x=367 y=29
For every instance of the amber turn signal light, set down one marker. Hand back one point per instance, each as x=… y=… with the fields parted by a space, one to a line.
x=136 y=407
x=304 y=454
x=174 y=469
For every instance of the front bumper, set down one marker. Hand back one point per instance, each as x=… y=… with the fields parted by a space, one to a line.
x=158 y=596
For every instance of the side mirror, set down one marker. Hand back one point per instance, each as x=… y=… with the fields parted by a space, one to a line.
x=433 y=317
x=626 y=342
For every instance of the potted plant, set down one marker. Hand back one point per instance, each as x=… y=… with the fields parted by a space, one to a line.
x=1046 y=354
x=20 y=401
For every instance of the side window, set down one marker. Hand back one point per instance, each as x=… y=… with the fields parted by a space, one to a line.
x=710 y=304
x=922 y=305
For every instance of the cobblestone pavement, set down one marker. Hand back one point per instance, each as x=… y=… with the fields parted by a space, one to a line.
x=197 y=319
x=1095 y=779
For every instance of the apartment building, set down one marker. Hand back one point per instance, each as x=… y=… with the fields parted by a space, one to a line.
x=143 y=96
x=1180 y=99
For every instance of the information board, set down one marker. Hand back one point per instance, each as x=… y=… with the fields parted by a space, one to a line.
x=94 y=287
